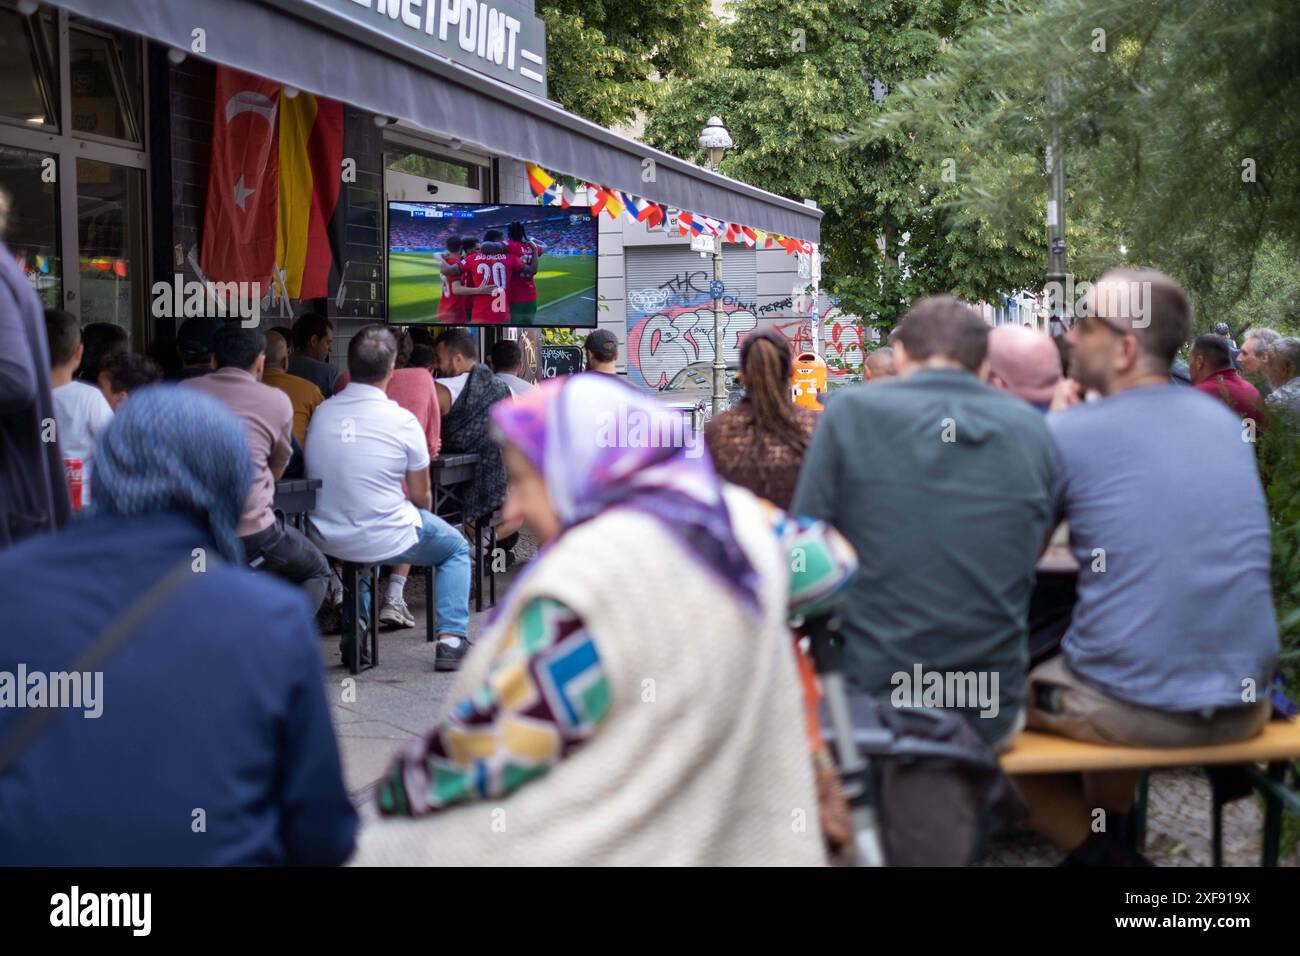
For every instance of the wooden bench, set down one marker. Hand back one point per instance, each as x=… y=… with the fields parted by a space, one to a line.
x=1277 y=748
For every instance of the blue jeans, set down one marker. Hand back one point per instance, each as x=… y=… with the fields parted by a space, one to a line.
x=445 y=549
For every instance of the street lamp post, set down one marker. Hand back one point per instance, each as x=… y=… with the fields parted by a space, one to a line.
x=715 y=138
x=1057 y=268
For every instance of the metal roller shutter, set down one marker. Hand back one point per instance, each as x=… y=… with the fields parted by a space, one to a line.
x=670 y=308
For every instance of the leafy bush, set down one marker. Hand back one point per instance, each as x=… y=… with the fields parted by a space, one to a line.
x=1279 y=456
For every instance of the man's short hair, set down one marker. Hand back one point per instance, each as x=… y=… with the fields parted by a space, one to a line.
x=468 y=244
x=308 y=326
x=234 y=346
x=492 y=235
x=195 y=337
x=506 y=356
x=286 y=332
x=422 y=356
x=459 y=341
x=127 y=371
x=603 y=345
x=1214 y=349
x=101 y=340
x=1264 y=336
x=879 y=356
x=944 y=326
x=372 y=354
x=277 y=347
x=453 y=243
x=63 y=331
x=1165 y=325
x=1285 y=353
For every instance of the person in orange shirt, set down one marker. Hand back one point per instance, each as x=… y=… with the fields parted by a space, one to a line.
x=304 y=395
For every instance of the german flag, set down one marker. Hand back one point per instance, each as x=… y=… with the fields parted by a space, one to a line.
x=311 y=160
x=273 y=186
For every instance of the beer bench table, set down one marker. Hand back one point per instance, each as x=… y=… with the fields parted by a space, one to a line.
x=295 y=498
x=446 y=474
x=449 y=474
x=1278 y=747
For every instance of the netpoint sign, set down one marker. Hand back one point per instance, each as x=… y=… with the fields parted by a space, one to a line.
x=497 y=37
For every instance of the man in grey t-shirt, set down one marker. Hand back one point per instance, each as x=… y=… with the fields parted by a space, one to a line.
x=1173 y=639
x=942 y=484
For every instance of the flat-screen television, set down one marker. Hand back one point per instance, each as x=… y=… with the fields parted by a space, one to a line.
x=530 y=265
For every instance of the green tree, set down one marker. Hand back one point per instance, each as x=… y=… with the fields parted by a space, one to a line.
x=793 y=79
x=603 y=56
x=1178 y=121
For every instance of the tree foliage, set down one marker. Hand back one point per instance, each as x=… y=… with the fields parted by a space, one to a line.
x=1179 y=121
x=603 y=55
x=796 y=77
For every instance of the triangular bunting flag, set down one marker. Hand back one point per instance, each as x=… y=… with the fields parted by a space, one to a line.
x=539 y=180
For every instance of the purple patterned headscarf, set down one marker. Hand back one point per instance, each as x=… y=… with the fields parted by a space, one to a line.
x=599 y=443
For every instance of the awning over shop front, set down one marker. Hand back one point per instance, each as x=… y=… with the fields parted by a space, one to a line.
x=314 y=48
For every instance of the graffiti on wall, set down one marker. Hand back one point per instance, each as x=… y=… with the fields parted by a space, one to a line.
x=843 y=338
x=670 y=326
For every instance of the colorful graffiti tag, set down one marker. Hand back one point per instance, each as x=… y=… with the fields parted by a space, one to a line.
x=670 y=326
x=842 y=337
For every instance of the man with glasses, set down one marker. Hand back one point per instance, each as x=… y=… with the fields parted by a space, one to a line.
x=1173 y=641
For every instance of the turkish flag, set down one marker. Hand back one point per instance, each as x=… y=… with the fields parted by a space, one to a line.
x=241 y=219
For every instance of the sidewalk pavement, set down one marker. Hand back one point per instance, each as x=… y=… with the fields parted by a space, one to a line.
x=399 y=700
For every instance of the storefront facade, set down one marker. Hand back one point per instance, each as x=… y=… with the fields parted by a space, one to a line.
x=107 y=139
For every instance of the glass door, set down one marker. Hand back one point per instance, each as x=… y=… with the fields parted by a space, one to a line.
x=109 y=247
x=30 y=179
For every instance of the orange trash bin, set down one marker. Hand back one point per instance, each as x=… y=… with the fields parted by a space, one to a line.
x=809 y=380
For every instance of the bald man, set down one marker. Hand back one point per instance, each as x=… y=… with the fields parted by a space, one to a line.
x=303 y=394
x=1026 y=363
x=879 y=365
x=1175 y=614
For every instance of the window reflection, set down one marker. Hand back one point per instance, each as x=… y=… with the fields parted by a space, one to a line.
x=108 y=227
x=105 y=75
x=32 y=235
x=27 y=91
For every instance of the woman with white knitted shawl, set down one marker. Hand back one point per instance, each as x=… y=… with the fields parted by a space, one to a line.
x=636 y=701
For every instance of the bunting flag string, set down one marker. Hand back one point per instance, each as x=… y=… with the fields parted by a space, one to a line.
x=551 y=191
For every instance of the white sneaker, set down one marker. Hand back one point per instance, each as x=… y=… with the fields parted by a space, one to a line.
x=395 y=612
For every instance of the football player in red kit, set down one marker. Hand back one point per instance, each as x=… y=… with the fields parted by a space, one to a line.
x=465 y=285
x=521 y=290
x=451 y=308
x=493 y=269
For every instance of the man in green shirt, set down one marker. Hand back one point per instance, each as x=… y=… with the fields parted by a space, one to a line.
x=943 y=486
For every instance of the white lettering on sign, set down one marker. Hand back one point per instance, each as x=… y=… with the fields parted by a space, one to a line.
x=475 y=26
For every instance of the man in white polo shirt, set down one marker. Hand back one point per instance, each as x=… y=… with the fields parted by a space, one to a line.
x=363 y=446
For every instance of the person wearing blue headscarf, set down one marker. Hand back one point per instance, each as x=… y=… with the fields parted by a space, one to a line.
x=204 y=738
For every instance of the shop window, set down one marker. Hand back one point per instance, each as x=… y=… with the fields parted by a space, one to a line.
x=431 y=167
x=28 y=92
x=108 y=242
x=32 y=235
x=105 y=80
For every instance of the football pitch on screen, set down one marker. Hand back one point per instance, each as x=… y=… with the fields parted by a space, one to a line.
x=566 y=289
